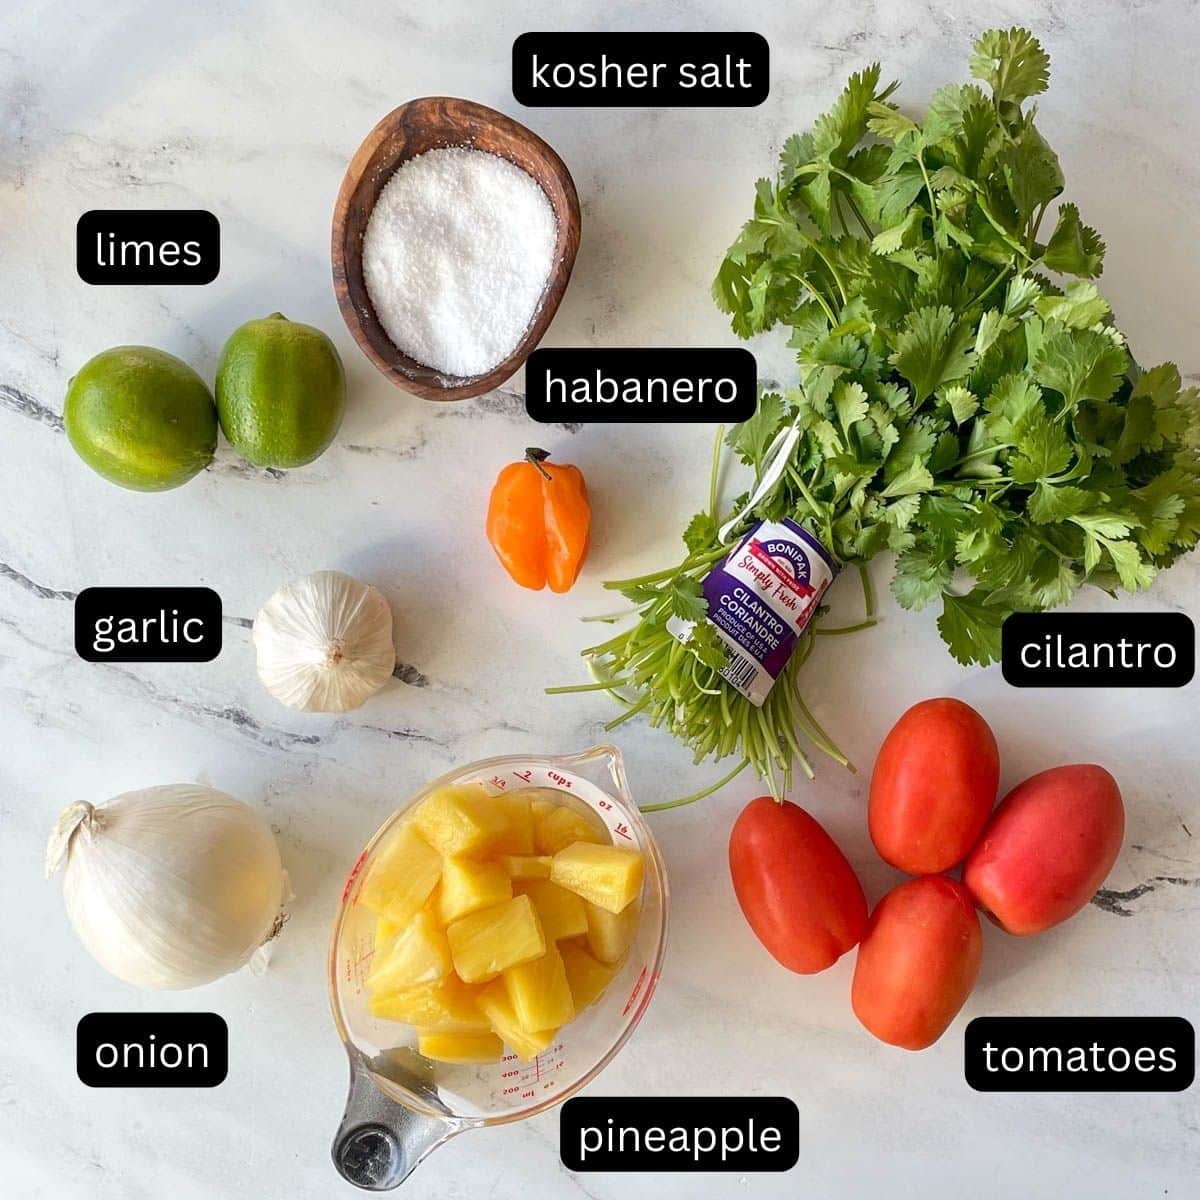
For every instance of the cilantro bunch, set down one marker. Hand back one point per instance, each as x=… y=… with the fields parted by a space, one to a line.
x=954 y=404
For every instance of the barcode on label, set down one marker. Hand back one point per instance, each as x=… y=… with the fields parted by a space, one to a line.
x=739 y=670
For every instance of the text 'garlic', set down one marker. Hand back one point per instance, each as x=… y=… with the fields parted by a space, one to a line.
x=324 y=643
x=169 y=887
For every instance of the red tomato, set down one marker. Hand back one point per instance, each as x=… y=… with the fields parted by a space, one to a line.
x=797 y=891
x=933 y=786
x=1047 y=848
x=917 y=962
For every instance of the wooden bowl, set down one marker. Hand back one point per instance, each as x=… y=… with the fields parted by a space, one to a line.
x=431 y=123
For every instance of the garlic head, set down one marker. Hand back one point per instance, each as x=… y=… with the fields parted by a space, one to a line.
x=324 y=643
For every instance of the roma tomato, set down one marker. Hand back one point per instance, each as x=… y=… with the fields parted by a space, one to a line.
x=917 y=962
x=1047 y=848
x=797 y=891
x=933 y=785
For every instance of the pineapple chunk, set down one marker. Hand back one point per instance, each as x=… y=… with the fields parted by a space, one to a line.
x=402 y=877
x=419 y=954
x=460 y=1047
x=385 y=935
x=527 y=866
x=587 y=977
x=518 y=813
x=609 y=934
x=609 y=876
x=561 y=912
x=495 y=1005
x=459 y=820
x=433 y=905
x=560 y=826
x=488 y=941
x=445 y=1006
x=469 y=886
x=540 y=994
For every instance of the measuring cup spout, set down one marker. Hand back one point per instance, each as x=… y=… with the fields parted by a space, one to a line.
x=603 y=766
x=380 y=1142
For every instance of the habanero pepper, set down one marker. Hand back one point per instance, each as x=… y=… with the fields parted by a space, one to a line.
x=538 y=521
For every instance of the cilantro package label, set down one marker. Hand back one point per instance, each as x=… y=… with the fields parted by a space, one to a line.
x=761 y=596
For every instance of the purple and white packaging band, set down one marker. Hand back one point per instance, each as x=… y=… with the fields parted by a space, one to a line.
x=761 y=597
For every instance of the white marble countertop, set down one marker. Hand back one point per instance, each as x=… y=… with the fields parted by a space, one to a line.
x=251 y=111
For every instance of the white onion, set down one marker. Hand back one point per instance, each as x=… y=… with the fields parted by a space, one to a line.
x=169 y=887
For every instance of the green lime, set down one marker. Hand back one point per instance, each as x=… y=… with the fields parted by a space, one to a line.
x=280 y=391
x=140 y=417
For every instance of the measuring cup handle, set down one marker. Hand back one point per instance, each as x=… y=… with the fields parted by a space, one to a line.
x=380 y=1142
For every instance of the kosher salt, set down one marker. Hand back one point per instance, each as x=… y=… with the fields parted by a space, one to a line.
x=456 y=255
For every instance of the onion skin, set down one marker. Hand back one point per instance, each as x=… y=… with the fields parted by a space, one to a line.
x=1047 y=849
x=170 y=887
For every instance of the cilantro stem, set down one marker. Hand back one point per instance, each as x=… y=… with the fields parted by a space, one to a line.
x=712 y=479
x=816 y=295
x=818 y=510
x=870 y=623
x=995 y=224
x=829 y=263
x=610 y=618
x=608 y=647
x=1001 y=276
x=689 y=564
x=708 y=791
x=631 y=711
x=866 y=228
x=932 y=202
x=822 y=739
x=601 y=685
x=868 y=589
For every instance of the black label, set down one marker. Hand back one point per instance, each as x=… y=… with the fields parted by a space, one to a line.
x=148 y=624
x=148 y=246
x=1080 y=1054
x=1120 y=649
x=679 y=1133
x=152 y=1049
x=628 y=70
x=641 y=385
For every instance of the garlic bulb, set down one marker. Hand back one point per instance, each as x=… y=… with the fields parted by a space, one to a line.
x=324 y=643
x=169 y=887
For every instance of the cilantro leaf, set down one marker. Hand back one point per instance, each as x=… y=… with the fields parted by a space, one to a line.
x=1074 y=248
x=1080 y=307
x=837 y=132
x=752 y=438
x=701 y=533
x=887 y=121
x=1049 y=504
x=963 y=403
x=1043 y=448
x=971 y=627
x=921 y=576
x=1013 y=62
x=686 y=598
x=850 y=403
x=1032 y=171
x=1081 y=364
x=933 y=349
x=706 y=644
x=906 y=233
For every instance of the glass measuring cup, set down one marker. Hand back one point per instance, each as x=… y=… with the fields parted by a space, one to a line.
x=401 y=1105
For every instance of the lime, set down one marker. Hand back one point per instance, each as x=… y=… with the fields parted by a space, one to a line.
x=140 y=417
x=280 y=391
